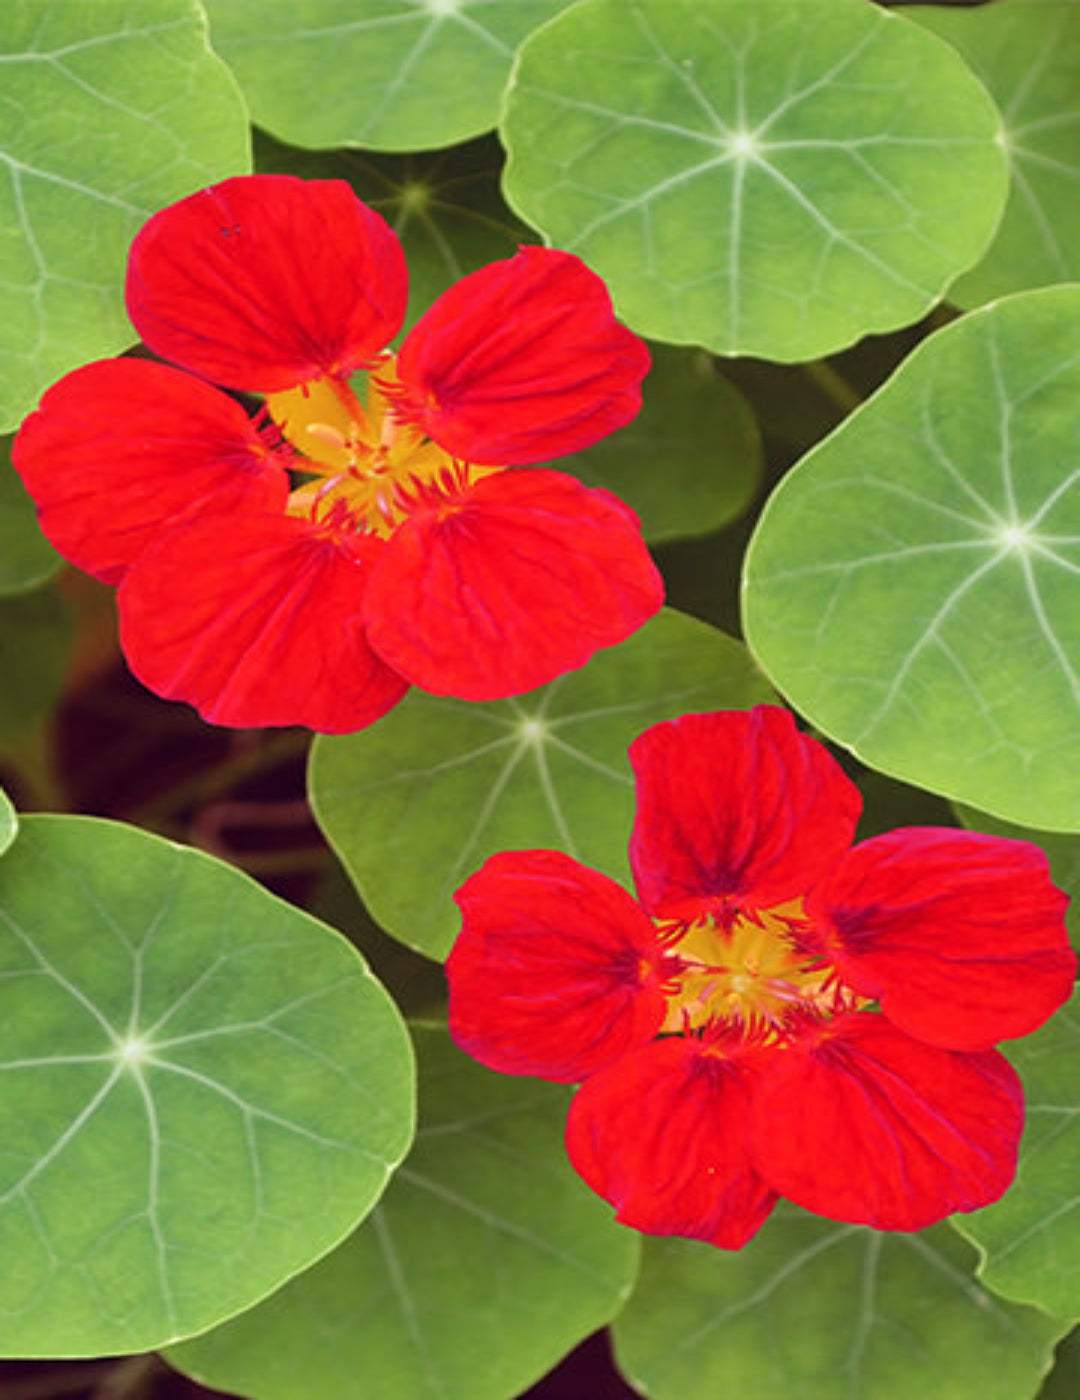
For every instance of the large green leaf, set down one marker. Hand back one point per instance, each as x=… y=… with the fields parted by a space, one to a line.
x=819 y=1311
x=486 y=1260
x=774 y=179
x=110 y=110
x=1030 y=1239
x=26 y=557
x=416 y=804
x=1025 y=53
x=204 y=1090
x=391 y=75
x=913 y=585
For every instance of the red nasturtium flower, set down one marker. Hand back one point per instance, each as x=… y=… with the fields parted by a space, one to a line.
x=308 y=565
x=780 y=1013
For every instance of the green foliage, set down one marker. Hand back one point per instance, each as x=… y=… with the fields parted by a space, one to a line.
x=204 y=1090
x=9 y=822
x=483 y=1263
x=416 y=805
x=35 y=643
x=774 y=179
x=827 y=1312
x=111 y=110
x=912 y=585
x=26 y=558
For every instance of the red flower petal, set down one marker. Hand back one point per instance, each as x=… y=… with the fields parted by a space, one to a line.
x=121 y=447
x=862 y=1123
x=738 y=807
x=266 y=281
x=521 y=362
x=521 y=577
x=663 y=1135
x=556 y=970
x=960 y=936
x=257 y=622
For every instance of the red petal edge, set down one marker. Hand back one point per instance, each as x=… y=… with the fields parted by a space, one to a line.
x=522 y=362
x=257 y=622
x=663 y=1135
x=735 y=807
x=556 y=971
x=121 y=448
x=522 y=577
x=264 y=282
x=959 y=935
x=861 y=1123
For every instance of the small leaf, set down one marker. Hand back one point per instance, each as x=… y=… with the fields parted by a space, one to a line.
x=204 y=1090
x=913 y=585
x=9 y=822
x=1030 y=1239
x=415 y=805
x=773 y=179
x=486 y=1260
x=390 y=75
x=1025 y=53
x=691 y=460
x=827 y=1312
x=110 y=112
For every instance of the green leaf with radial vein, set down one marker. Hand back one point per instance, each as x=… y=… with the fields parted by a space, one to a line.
x=775 y=179
x=1025 y=53
x=204 y=1090
x=1030 y=1239
x=111 y=110
x=390 y=75
x=913 y=585
x=823 y=1311
x=486 y=1260
x=26 y=557
x=415 y=805
x=9 y=822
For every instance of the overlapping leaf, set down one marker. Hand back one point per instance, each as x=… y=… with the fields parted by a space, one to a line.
x=774 y=179
x=110 y=111
x=391 y=75
x=26 y=558
x=913 y=586
x=1030 y=1239
x=484 y=1262
x=1025 y=53
x=417 y=803
x=203 y=1090
x=828 y=1312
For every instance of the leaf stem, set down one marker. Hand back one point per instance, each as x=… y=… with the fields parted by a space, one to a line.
x=834 y=386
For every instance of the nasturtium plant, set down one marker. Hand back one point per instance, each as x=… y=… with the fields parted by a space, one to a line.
x=1023 y=50
x=204 y=1090
x=26 y=557
x=9 y=822
x=775 y=179
x=498 y=1260
x=110 y=111
x=912 y=586
x=389 y=75
x=546 y=770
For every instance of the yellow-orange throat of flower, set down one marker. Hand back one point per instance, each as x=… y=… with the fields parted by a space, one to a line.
x=748 y=971
x=367 y=463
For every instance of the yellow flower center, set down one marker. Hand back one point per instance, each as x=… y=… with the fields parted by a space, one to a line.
x=749 y=971
x=366 y=463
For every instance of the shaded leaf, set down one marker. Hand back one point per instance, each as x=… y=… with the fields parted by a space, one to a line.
x=9 y=822
x=26 y=557
x=35 y=641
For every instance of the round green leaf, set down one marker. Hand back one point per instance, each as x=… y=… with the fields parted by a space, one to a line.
x=773 y=179
x=26 y=557
x=913 y=585
x=110 y=111
x=1030 y=1239
x=9 y=822
x=414 y=806
x=204 y=1090
x=1025 y=53
x=391 y=75
x=486 y=1260
x=827 y=1312
x=699 y=431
